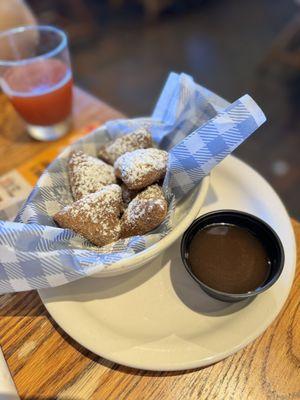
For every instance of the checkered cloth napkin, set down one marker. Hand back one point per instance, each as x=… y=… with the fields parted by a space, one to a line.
x=197 y=127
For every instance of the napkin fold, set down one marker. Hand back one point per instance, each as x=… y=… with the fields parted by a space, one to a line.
x=197 y=127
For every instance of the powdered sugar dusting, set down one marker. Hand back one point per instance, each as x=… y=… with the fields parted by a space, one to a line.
x=145 y=202
x=95 y=216
x=145 y=212
x=142 y=209
x=134 y=166
x=88 y=174
x=140 y=139
x=96 y=205
x=152 y=192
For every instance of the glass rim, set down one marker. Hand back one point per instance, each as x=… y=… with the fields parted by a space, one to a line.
x=49 y=54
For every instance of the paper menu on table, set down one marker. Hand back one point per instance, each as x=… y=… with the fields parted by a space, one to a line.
x=14 y=189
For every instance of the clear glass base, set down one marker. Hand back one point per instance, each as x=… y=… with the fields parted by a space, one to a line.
x=50 y=133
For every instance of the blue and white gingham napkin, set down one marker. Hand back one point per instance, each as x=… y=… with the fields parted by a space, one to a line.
x=197 y=127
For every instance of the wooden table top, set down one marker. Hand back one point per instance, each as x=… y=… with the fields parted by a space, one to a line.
x=47 y=364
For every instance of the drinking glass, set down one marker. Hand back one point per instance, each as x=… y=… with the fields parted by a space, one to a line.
x=35 y=73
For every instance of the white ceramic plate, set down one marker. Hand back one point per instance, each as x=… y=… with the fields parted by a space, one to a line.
x=157 y=318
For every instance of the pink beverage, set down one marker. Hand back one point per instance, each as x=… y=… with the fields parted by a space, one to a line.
x=41 y=92
x=35 y=73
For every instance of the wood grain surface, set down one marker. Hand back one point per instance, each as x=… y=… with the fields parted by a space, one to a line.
x=47 y=364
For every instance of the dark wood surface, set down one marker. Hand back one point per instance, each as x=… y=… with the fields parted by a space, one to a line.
x=47 y=364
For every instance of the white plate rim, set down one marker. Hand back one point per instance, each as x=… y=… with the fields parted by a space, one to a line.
x=205 y=361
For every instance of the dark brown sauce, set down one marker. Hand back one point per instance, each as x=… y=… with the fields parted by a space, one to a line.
x=228 y=258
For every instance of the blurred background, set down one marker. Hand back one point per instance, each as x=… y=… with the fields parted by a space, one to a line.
x=123 y=50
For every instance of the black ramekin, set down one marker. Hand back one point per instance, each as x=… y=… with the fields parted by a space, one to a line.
x=258 y=227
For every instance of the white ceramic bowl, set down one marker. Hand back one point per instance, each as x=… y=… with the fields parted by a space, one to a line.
x=185 y=213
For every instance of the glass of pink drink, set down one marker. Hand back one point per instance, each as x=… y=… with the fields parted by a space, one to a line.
x=35 y=73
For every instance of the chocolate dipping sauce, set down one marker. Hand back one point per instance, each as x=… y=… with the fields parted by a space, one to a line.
x=228 y=258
